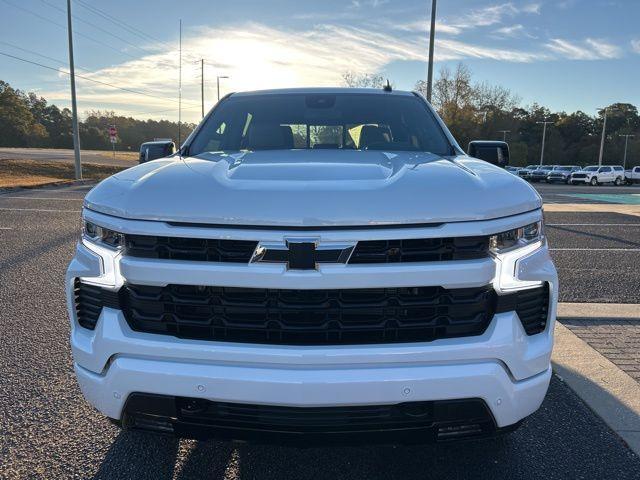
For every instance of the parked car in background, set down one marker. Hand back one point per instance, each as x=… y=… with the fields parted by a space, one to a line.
x=561 y=173
x=156 y=149
x=513 y=170
x=597 y=175
x=526 y=171
x=540 y=173
x=632 y=175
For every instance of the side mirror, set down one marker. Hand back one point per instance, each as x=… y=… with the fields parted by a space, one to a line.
x=156 y=149
x=494 y=152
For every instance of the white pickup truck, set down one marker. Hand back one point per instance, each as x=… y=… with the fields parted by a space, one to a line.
x=632 y=176
x=314 y=264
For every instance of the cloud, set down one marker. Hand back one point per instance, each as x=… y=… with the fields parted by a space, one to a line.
x=510 y=31
x=367 y=3
x=635 y=45
x=589 y=49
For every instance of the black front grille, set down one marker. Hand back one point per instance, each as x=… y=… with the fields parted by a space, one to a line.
x=420 y=250
x=308 y=317
x=89 y=300
x=579 y=175
x=532 y=307
x=376 y=251
x=405 y=422
x=198 y=249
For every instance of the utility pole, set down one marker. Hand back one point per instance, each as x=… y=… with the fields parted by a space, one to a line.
x=604 y=128
x=202 y=85
x=218 y=83
x=74 y=105
x=626 y=143
x=544 y=136
x=180 y=89
x=504 y=134
x=432 y=37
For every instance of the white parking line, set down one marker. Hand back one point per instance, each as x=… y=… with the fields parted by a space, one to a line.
x=38 y=210
x=6 y=228
x=592 y=224
x=594 y=249
x=43 y=198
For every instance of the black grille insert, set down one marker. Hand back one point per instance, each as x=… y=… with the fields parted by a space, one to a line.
x=198 y=249
x=308 y=317
x=368 y=251
x=532 y=307
x=89 y=300
x=420 y=250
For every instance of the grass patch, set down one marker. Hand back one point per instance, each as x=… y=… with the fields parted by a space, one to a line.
x=25 y=173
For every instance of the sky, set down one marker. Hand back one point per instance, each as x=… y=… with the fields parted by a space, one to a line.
x=565 y=54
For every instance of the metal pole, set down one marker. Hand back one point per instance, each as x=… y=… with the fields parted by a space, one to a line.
x=604 y=128
x=218 y=82
x=180 y=88
x=626 y=143
x=504 y=134
x=74 y=105
x=544 y=136
x=202 y=85
x=432 y=35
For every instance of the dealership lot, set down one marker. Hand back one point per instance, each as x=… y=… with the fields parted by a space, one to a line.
x=48 y=430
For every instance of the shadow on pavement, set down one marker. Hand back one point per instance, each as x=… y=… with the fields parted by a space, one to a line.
x=564 y=439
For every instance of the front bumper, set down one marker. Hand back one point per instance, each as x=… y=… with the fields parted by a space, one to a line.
x=505 y=368
x=580 y=180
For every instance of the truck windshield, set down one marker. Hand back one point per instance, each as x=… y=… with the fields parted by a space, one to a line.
x=343 y=121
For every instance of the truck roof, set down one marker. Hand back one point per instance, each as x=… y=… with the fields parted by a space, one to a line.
x=322 y=90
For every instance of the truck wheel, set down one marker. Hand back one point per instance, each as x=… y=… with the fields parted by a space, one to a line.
x=594 y=182
x=618 y=182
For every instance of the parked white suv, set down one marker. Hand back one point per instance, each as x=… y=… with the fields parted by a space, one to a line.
x=596 y=175
x=632 y=175
x=315 y=264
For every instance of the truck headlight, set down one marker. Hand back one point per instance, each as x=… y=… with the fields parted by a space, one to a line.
x=108 y=245
x=102 y=236
x=516 y=238
x=508 y=248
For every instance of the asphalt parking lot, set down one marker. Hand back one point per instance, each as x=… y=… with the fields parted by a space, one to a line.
x=48 y=431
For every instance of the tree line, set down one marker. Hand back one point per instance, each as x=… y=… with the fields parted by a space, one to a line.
x=27 y=120
x=472 y=110
x=480 y=111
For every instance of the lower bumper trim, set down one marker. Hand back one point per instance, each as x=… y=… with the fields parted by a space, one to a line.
x=404 y=423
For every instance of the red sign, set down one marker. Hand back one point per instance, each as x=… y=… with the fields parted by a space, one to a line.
x=112 y=131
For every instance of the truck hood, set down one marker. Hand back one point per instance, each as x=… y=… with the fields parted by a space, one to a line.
x=314 y=188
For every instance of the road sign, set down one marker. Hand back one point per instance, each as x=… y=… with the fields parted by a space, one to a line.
x=113 y=134
x=113 y=139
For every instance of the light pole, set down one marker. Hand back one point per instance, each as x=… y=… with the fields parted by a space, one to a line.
x=504 y=134
x=626 y=143
x=544 y=136
x=604 y=129
x=74 y=105
x=218 y=83
x=202 y=86
x=432 y=36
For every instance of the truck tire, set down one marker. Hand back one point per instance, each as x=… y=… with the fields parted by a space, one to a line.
x=594 y=181
x=618 y=182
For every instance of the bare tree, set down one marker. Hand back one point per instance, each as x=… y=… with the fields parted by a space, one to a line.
x=362 y=80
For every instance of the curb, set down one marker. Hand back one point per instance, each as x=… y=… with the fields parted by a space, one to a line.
x=610 y=392
x=592 y=207
x=61 y=183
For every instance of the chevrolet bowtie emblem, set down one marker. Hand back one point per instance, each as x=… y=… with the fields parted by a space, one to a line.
x=302 y=253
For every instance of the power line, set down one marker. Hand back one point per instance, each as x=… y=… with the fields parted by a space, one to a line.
x=41 y=55
x=137 y=92
x=30 y=12
x=104 y=30
x=119 y=23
